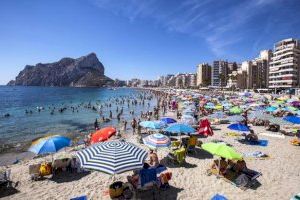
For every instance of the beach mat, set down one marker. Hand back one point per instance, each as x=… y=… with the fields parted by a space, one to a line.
x=262 y=143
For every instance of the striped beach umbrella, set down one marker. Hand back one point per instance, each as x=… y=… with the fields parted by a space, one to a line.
x=112 y=157
x=157 y=140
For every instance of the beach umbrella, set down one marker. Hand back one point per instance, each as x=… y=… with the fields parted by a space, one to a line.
x=103 y=134
x=168 y=120
x=222 y=150
x=153 y=124
x=218 y=115
x=271 y=109
x=49 y=144
x=180 y=128
x=235 y=110
x=157 y=140
x=292 y=119
x=188 y=119
x=112 y=157
x=235 y=118
x=238 y=127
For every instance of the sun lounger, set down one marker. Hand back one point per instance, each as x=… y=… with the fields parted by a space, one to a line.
x=243 y=180
x=178 y=156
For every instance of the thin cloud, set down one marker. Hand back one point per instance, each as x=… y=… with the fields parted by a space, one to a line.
x=219 y=23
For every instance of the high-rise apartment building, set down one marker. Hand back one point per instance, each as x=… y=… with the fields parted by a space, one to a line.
x=219 y=73
x=285 y=64
x=203 y=75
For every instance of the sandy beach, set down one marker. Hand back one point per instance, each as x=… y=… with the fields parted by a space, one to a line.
x=280 y=179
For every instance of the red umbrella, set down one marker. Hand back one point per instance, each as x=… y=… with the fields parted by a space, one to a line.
x=103 y=134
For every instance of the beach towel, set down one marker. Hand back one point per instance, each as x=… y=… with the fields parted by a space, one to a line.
x=256 y=155
x=262 y=143
x=147 y=176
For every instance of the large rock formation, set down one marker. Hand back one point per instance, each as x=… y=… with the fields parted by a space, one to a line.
x=86 y=71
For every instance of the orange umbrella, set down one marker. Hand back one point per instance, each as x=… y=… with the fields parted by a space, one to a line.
x=103 y=134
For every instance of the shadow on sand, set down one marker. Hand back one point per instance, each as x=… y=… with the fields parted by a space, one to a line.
x=200 y=154
x=166 y=194
x=63 y=177
x=169 y=163
x=7 y=191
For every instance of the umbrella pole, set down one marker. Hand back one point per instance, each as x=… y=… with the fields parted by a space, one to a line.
x=219 y=168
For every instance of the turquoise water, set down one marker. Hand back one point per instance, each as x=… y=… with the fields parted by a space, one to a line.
x=22 y=127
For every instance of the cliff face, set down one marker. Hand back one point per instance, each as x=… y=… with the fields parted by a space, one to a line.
x=86 y=71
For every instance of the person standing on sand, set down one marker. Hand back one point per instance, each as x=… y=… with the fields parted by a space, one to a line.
x=133 y=125
x=110 y=114
x=125 y=125
x=96 y=126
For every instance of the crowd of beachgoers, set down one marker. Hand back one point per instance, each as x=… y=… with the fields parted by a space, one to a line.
x=190 y=145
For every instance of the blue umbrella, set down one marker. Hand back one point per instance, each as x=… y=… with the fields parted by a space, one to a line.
x=180 y=128
x=292 y=119
x=235 y=118
x=271 y=109
x=168 y=120
x=218 y=115
x=238 y=127
x=49 y=144
x=152 y=124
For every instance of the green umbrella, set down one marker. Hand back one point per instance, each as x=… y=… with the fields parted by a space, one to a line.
x=222 y=150
x=235 y=110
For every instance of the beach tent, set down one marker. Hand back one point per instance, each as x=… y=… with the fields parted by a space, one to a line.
x=205 y=128
x=49 y=144
x=103 y=134
x=157 y=140
x=112 y=157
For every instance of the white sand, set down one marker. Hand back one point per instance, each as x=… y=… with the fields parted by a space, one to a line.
x=280 y=180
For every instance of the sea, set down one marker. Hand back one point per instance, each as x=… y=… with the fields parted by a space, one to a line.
x=30 y=117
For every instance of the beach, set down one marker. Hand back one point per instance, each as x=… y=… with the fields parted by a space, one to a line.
x=280 y=173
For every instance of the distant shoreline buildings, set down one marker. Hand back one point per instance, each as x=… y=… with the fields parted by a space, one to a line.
x=277 y=70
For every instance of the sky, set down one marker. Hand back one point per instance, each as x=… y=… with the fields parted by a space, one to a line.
x=141 y=38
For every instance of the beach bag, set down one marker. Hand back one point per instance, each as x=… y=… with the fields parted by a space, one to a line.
x=116 y=189
x=45 y=169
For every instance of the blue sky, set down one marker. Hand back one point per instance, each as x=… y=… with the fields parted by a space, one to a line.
x=136 y=38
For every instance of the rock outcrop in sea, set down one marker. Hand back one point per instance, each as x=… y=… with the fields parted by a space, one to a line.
x=86 y=71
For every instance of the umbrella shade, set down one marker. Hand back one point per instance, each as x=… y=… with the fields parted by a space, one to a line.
x=235 y=110
x=49 y=144
x=168 y=120
x=292 y=119
x=152 y=124
x=238 y=127
x=112 y=157
x=221 y=150
x=157 y=140
x=103 y=134
x=180 y=128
